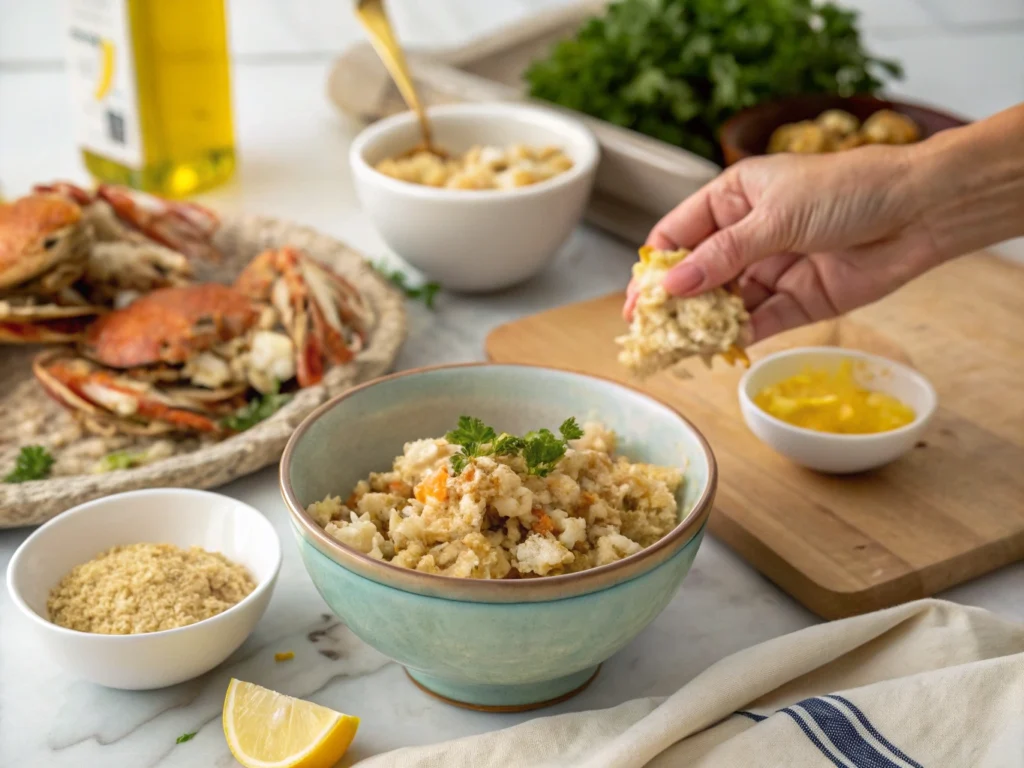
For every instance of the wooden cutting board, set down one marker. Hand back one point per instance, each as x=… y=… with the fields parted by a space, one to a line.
x=948 y=511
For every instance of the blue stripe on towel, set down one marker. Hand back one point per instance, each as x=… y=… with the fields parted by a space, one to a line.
x=814 y=739
x=871 y=729
x=844 y=735
x=752 y=715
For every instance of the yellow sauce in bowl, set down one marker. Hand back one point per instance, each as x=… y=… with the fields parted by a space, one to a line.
x=829 y=401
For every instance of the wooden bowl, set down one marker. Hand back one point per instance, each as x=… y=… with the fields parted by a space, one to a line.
x=746 y=133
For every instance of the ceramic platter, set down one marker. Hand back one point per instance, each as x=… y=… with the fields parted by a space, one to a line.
x=28 y=416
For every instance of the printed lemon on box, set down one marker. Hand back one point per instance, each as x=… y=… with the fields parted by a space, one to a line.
x=106 y=79
x=266 y=729
x=833 y=401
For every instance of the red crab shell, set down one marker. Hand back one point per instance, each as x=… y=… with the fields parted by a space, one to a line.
x=322 y=312
x=170 y=325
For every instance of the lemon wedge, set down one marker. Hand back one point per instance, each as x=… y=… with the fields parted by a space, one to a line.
x=265 y=729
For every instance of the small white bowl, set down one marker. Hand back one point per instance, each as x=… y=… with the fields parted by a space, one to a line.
x=836 y=453
x=164 y=515
x=476 y=240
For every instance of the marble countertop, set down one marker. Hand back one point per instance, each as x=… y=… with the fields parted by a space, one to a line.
x=293 y=149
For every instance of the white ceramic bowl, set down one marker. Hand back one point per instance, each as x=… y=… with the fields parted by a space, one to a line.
x=476 y=240
x=165 y=515
x=833 y=453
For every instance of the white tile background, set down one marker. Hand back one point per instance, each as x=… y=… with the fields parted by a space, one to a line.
x=964 y=55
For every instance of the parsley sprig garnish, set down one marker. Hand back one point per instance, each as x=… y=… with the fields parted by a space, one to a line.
x=33 y=463
x=476 y=439
x=425 y=292
x=541 y=450
x=185 y=737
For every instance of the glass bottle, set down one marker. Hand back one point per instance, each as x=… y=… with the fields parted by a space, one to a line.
x=152 y=92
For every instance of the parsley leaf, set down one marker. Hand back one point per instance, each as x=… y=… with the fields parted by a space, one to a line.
x=185 y=737
x=256 y=410
x=678 y=69
x=507 y=445
x=471 y=434
x=570 y=430
x=33 y=463
x=427 y=292
x=459 y=462
x=542 y=451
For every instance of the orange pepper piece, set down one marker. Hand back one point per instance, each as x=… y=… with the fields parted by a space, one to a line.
x=544 y=522
x=435 y=487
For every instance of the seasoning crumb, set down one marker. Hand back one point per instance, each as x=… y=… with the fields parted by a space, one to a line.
x=139 y=588
x=185 y=737
x=284 y=656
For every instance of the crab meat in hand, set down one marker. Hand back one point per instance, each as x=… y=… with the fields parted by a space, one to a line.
x=44 y=249
x=322 y=312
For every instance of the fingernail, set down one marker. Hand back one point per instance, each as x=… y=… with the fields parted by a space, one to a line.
x=682 y=279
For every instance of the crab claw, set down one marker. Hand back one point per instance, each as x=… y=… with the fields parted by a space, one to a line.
x=68 y=190
x=108 y=403
x=43 y=323
x=322 y=312
x=181 y=226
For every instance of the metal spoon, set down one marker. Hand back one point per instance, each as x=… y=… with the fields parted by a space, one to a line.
x=373 y=18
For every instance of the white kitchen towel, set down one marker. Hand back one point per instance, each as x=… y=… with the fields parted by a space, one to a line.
x=927 y=684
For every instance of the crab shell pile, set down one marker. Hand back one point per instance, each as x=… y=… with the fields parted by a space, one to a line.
x=145 y=349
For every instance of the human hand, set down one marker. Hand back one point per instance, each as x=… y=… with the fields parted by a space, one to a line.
x=805 y=237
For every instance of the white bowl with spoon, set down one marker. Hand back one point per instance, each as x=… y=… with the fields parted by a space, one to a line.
x=827 y=451
x=178 y=516
x=476 y=240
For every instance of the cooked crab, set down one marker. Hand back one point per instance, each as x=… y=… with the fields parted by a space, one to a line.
x=322 y=312
x=44 y=250
x=120 y=214
x=181 y=359
x=162 y=364
x=666 y=329
x=140 y=242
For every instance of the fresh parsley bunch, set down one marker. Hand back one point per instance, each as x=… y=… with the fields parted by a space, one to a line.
x=677 y=69
x=541 y=450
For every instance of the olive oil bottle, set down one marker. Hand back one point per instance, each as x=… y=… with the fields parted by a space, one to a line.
x=151 y=87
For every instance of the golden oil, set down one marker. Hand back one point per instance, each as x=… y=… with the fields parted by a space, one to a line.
x=152 y=92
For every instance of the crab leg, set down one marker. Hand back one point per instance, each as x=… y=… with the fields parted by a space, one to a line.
x=322 y=312
x=92 y=391
x=185 y=227
x=67 y=189
x=182 y=226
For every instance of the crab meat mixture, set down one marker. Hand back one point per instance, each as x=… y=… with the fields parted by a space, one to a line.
x=666 y=329
x=480 y=167
x=496 y=521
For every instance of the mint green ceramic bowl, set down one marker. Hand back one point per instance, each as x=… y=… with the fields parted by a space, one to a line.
x=509 y=644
